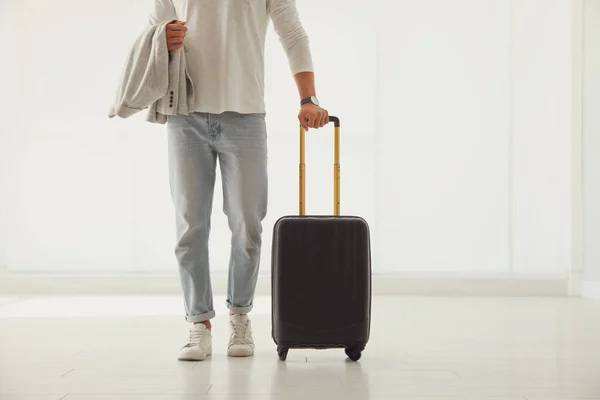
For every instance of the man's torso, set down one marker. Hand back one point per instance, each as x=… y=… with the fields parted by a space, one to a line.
x=224 y=48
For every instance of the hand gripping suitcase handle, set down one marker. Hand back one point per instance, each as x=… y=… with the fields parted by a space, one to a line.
x=336 y=169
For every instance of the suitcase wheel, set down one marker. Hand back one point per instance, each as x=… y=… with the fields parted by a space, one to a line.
x=282 y=352
x=354 y=353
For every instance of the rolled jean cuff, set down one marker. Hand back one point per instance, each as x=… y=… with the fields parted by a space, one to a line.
x=239 y=310
x=200 y=317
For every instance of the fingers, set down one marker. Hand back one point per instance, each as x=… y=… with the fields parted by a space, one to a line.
x=325 y=119
x=303 y=121
x=175 y=43
x=177 y=27
x=315 y=118
x=175 y=34
x=319 y=119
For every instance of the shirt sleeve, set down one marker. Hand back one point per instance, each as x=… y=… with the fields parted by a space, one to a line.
x=292 y=35
x=161 y=10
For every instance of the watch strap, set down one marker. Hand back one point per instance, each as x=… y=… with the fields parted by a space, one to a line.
x=306 y=100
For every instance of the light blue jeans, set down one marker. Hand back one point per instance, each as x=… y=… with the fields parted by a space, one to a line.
x=239 y=143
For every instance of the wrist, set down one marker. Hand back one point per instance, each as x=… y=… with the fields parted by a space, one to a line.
x=309 y=100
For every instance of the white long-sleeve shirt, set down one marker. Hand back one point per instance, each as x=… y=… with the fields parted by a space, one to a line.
x=224 y=48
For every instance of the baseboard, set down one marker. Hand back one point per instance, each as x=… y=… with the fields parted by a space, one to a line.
x=590 y=290
x=424 y=285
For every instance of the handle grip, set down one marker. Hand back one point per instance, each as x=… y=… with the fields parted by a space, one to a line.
x=336 y=169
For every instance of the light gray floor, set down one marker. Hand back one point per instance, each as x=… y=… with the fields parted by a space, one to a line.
x=421 y=348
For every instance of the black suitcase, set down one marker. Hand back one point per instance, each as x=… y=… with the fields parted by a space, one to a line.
x=321 y=275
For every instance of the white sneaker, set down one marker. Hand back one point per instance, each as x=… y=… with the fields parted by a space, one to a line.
x=199 y=345
x=240 y=343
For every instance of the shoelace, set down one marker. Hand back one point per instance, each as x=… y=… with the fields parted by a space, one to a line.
x=239 y=333
x=195 y=338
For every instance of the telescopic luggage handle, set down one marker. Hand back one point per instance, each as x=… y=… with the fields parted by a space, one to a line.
x=336 y=169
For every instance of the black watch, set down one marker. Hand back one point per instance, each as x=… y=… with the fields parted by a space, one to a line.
x=311 y=99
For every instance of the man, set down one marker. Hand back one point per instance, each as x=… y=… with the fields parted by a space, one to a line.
x=224 y=44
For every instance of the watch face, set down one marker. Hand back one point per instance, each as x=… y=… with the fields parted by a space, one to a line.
x=314 y=100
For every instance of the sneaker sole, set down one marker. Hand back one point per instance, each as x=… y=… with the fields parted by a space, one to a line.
x=194 y=358
x=240 y=353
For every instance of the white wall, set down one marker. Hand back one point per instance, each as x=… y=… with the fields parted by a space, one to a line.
x=541 y=137
x=591 y=142
x=474 y=136
x=444 y=136
x=10 y=83
x=455 y=122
